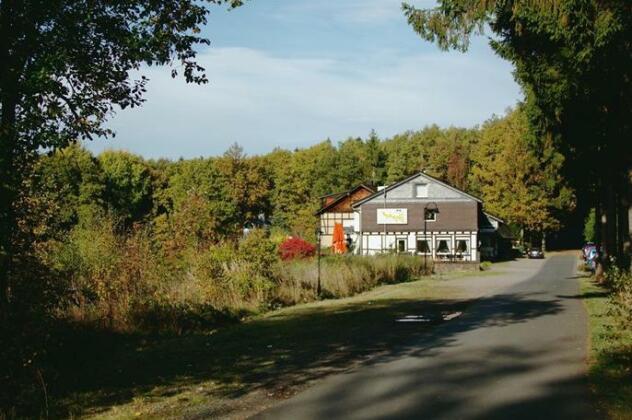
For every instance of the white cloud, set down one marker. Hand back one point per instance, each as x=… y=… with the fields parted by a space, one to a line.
x=350 y=11
x=262 y=101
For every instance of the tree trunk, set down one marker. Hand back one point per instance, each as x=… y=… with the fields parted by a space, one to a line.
x=600 y=228
x=12 y=59
x=624 y=212
x=7 y=198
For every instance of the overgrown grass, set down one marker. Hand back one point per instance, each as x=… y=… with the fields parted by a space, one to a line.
x=343 y=276
x=611 y=347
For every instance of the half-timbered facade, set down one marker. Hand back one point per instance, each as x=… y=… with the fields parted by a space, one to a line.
x=337 y=208
x=420 y=215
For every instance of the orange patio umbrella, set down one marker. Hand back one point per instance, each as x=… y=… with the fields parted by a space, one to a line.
x=338 y=241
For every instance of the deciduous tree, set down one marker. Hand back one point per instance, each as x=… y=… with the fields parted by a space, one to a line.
x=66 y=65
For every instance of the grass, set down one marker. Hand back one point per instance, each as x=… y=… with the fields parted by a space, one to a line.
x=610 y=356
x=239 y=369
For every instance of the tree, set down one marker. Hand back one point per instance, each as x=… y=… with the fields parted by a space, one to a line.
x=248 y=183
x=128 y=182
x=299 y=181
x=73 y=187
x=514 y=178
x=573 y=59
x=199 y=207
x=65 y=67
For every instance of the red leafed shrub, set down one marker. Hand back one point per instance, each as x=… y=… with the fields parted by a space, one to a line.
x=296 y=248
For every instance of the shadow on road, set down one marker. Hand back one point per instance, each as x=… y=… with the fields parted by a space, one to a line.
x=277 y=354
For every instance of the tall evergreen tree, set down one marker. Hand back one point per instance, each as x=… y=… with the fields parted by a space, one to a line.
x=573 y=59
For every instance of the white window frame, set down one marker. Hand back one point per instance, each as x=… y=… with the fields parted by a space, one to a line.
x=432 y=212
x=438 y=239
x=428 y=241
x=468 y=243
x=422 y=187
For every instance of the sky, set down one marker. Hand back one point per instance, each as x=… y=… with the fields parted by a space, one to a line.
x=292 y=73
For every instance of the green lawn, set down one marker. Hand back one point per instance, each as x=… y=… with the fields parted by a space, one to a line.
x=239 y=369
x=610 y=354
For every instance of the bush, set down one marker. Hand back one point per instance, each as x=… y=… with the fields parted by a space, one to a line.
x=621 y=284
x=259 y=251
x=296 y=248
x=485 y=265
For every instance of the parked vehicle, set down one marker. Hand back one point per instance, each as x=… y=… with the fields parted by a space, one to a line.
x=535 y=253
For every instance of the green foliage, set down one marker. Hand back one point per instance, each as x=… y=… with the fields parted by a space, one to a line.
x=485 y=265
x=590 y=226
x=609 y=312
x=443 y=153
x=259 y=251
x=71 y=184
x=529 y=190
x=128 y=185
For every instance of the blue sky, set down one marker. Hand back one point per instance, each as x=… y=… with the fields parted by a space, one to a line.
x=291 y=73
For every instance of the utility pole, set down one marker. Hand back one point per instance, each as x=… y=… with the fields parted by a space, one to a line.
x=318 y=289
x=429 y=208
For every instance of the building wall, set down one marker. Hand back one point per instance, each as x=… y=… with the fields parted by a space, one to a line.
x=457 y=220
x=371 y=243
x=435 y=190
x=327 y=223
x=340 y=213
x=452 y=216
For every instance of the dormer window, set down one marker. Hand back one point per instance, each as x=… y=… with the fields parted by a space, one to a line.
x=421 y=190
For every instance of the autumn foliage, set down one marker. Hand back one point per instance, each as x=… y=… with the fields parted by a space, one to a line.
x=296 y=248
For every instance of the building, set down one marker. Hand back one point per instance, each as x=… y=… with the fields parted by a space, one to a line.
x=495 y=238
x=337 y=208
x=419 y=215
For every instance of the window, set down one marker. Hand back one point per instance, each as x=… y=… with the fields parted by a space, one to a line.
x=430 y=215
x=443 y=246
x=462 y=246
x=423 y=247
x=421 y=190
x=401 y=245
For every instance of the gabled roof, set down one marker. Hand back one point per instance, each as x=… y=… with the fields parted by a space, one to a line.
x=410 y=178
x=503 y=230
x=491 y=216
x=332 y=194
x=341 y=196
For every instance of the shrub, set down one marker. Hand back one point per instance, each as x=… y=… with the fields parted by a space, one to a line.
x=259 y=250
x=485 y=265
x=621 y=284
x=296 y=248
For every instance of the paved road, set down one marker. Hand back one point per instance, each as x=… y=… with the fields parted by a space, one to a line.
x=518 y=354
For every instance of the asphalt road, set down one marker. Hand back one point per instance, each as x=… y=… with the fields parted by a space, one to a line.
x=517 y=354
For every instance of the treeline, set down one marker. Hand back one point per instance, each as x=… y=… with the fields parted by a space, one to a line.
x=122 y=238
x=201 y=201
